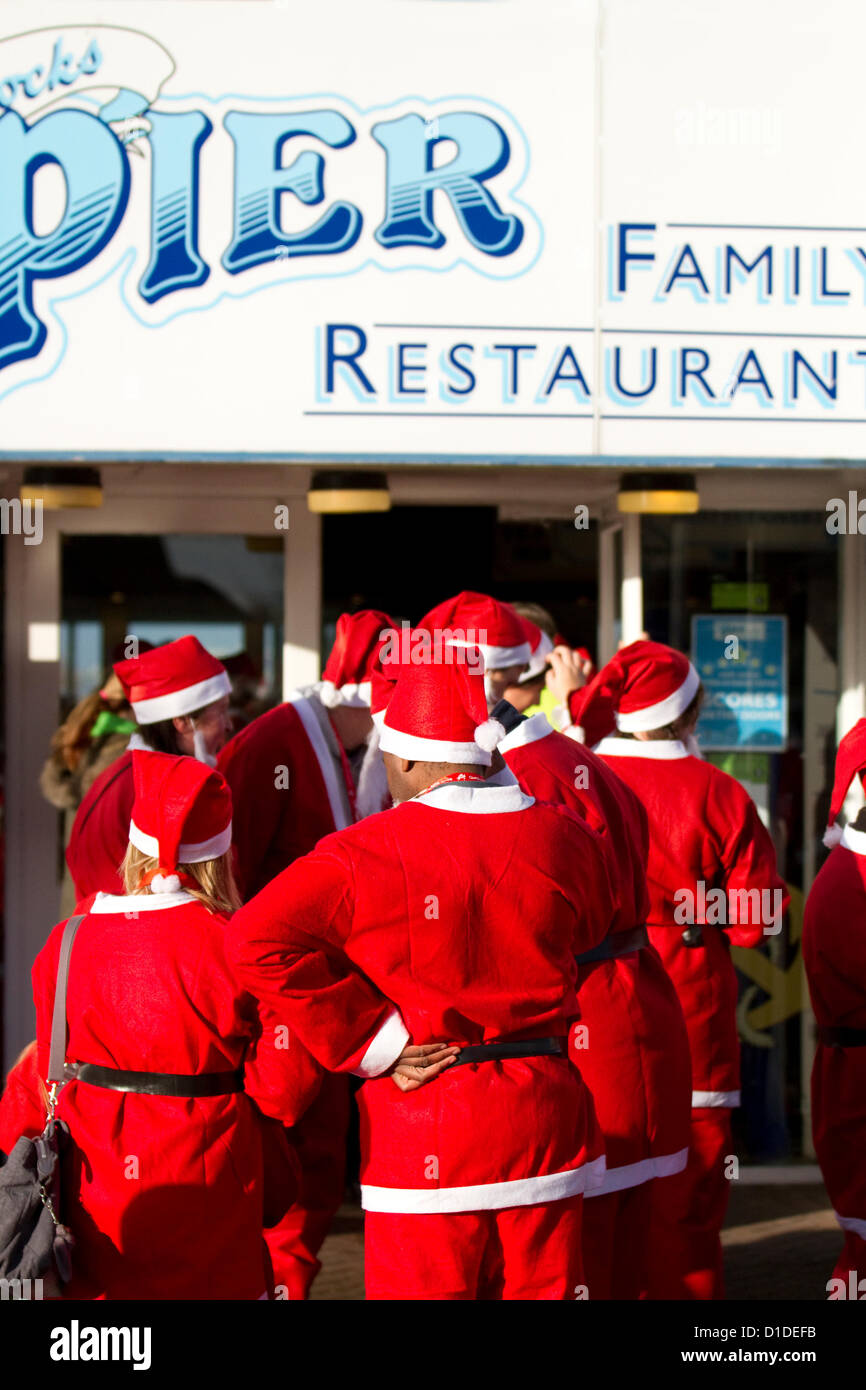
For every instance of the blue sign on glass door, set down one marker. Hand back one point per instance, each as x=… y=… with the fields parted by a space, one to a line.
x=742 y=662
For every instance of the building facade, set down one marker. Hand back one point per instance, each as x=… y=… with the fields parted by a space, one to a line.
x=508 y=256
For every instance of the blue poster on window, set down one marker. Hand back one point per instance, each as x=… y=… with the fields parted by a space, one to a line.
x=742 y=660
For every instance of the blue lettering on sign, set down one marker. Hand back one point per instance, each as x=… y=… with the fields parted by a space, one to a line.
x=482 y=151
x=96 y=171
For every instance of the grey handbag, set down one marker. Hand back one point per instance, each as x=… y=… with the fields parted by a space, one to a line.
x=34 y=1243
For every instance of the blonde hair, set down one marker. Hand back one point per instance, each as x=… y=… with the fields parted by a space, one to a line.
x=215 y=879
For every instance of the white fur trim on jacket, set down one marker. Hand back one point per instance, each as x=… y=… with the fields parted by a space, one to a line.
x=662 y=748
x=324 y=757
x=493 y=797
x=634 y=1174
x=530 y=731
x=128 y=904
x=715 y=1099
x=186 y=854
x=852 y=839
x=486 y=1196
x=384 y=1048
x=181 y=702
x=655 y=716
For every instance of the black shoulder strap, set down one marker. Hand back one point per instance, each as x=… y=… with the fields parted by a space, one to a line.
x=57 y=1055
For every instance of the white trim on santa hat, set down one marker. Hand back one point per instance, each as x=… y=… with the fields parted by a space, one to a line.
x=384 y=1048
x=664 y=749
x=640 y=721
x=538 y=659
x=497 y=658
x=179 y=702
x=430 y=750
x=528 y=731
x=353 y=695
x=186 y=854
x=855 y=840
x=129 y=903
x=487 y=1196
x=495 y=797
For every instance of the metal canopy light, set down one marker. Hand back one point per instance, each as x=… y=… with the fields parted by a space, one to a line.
x=57 y=488
x=332 y=493
x=659 y=493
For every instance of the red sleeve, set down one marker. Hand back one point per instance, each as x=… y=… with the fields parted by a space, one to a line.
x=279 y=1073
x=22 y=1108
x=288 y=947
x=748 y=857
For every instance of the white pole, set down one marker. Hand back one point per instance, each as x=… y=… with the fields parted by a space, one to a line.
x=632 y=581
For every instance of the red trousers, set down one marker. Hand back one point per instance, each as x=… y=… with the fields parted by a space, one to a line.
x=525 y=1253
x=852 y=1259
x=616 y=1249
x=688 y=1210
x=320 y=1142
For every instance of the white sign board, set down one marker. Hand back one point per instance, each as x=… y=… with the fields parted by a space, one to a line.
x=431 y=230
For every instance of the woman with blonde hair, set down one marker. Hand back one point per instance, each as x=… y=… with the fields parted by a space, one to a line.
x=163 y=1182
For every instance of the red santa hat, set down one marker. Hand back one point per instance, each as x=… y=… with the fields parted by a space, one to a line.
x=850 y=761
x=182 y=814
x=645 y=686
x=354 y=656
x=540 y=647
x=438 y=714
x=173 y=680
x=477 y=620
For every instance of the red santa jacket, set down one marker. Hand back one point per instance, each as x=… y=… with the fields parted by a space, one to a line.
x=705 y=835
x=288 y=789
x=451 y=917
x=834 y=953
x=164 y=1195
x=22 y=1105
x=634 y=1055
x=100 y=831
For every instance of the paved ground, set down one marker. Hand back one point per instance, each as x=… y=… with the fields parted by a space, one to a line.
x=780 y=1241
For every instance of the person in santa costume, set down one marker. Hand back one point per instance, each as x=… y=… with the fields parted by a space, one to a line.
x=705 y=835
x=297 y=773
x=477 y=623
x=834 y=953
x=633 y=1051
x=434 y=943
x=179 y=695
x=633 y=1047
x=168 y=1060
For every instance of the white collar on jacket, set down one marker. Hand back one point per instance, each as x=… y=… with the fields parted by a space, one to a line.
x=137 y=742
x=132 y=903
x=666 y=748
x=855 y=840
x=498 y=795
x=528 y=731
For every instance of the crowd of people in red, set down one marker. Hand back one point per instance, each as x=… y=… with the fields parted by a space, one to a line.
x=425 y=875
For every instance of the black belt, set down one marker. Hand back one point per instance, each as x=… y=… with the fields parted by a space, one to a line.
x=157 y=1083
x=842 y=1037
x=528 y=1047
x=622 y=943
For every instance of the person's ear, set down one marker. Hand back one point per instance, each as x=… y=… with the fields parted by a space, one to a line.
x=406 y=765
x=182 y=723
